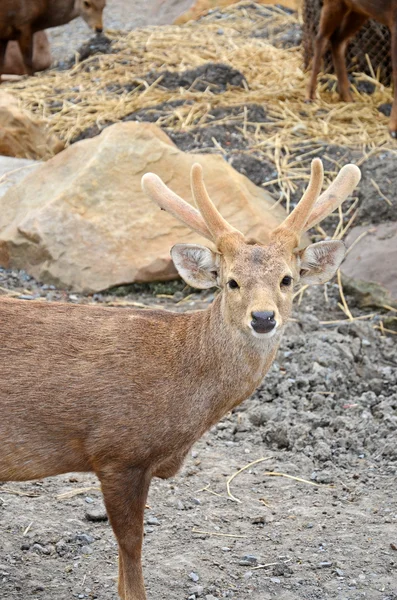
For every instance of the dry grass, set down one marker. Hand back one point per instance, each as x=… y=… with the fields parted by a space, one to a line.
x=84 y=96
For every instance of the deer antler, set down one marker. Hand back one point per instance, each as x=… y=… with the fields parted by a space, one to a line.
x=348 y=178
x=208 y=222
x=214 y=220
x=295 y=222
x=313 y=208
x=154 y=187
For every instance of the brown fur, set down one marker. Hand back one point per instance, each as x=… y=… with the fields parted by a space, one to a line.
x=14 y=65
x=340 y=20
x=20 y=19
x=126 y=393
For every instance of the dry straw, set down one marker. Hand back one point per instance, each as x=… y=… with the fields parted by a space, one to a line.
x=95 y=91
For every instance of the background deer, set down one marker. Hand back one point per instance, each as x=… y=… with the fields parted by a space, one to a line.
x=20 y=19
x=340 y=20
x=126 y=393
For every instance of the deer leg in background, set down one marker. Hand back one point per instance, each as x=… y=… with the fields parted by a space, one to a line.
x=125 y=492
x=3 y=48
x=25 y=42
x=331 y=15
x=339 y=40
x=393 y=117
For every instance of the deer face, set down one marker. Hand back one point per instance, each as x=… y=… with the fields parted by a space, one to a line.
x=91 y=11
x=256 y=280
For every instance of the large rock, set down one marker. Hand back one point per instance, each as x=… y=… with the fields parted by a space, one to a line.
x=82 y=221
x=14 y=170
x=23 y=136
x=374 y=257
x=14 y=64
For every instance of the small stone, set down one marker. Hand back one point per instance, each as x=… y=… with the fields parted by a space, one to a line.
x=393 y=546
x=89 y=500
x=196 y=591
x=248 y=560
x=84 y=538
x=86 y=550
x=41 y=549
x=339 y=572
x=96 y=515
x=194 y=577
x=325 y=565
x=274 y=580
x=152 y=521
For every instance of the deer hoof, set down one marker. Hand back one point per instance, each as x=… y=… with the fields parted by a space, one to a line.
x=393 y=133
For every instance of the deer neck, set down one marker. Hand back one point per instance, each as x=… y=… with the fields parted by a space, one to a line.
x=58 y=13
x=230 y=364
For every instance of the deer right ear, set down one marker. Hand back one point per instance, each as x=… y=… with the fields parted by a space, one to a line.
x=197 y=265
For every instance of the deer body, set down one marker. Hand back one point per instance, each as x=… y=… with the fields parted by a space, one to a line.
x=126 y=393
x=21 y=19
x=340 y=20
x=97 y=366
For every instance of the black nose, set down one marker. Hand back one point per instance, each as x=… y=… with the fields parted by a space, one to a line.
x=263 y=322
x=99 y=29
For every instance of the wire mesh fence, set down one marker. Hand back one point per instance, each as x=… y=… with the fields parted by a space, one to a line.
x=368 y=52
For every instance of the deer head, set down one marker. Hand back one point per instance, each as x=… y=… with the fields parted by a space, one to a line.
x=256 y=280
x=91 y=11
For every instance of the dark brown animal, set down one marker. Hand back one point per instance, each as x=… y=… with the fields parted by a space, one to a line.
x=340 y=20
x=20 y=19
x=126 y=393
x=13 y=62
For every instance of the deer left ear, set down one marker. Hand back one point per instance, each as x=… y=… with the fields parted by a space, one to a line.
x=319 y=262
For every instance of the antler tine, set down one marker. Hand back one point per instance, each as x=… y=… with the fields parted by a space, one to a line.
x=213 y=219
x=156 y=189
x=295 y=222
x=347 y=179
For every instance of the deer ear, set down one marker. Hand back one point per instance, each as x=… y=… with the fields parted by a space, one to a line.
x=197 y=265
x=319 y=262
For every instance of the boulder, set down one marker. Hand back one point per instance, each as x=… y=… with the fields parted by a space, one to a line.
x=13 y=170
x=22 y=135
x=14 y=64
x=373 y=258
x=81 y=220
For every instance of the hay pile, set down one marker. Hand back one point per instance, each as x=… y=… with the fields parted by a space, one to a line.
x=106 y=88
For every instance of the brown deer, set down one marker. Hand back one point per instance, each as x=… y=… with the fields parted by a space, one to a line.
x=20 y=19
x=340 y=20
x=126 y=393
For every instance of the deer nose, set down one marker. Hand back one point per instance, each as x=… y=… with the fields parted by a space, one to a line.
x=99 y=29
x=263 y=322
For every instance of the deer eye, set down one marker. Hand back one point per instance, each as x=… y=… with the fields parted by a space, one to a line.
x=287 y=280
x=86 y=4
x=233 y=285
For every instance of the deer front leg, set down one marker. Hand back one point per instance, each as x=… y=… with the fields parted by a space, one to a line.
x=393 y=117
x=351 y=24
x=3 y=48
x=125 y=493
x=331 y=16
x=25 y=42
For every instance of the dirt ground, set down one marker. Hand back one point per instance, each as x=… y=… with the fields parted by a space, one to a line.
x=326 y=413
